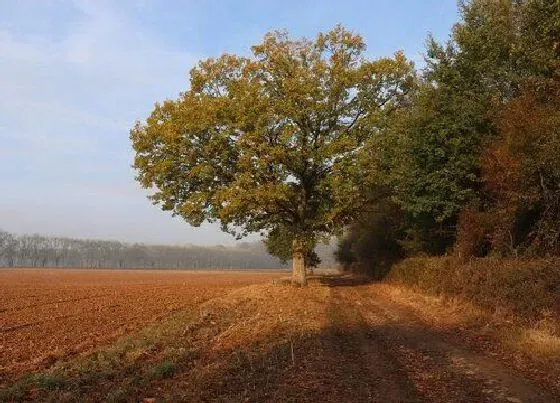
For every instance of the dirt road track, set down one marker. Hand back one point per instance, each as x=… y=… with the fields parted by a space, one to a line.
x=398 y=345
x=372 y=349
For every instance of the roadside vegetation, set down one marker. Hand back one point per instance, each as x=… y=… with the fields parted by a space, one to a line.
x=467 y=178
x=468 y=172
x=524 y=291
x=515 y=302
x=470 y=167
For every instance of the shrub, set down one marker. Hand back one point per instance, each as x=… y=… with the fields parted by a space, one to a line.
x=521 y=170
x=473 y=234
x=372 y=245
x=527 y=289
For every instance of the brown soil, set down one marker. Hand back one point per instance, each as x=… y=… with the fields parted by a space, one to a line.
x=47 y=314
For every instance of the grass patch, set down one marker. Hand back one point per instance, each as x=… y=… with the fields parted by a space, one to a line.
x=19 y=391
x=50 y=382
x=163 y=370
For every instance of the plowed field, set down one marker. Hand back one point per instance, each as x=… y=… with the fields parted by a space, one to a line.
x=49 y=314
x=340 y=339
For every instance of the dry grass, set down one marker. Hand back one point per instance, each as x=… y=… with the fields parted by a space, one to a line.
x=516 y=302
x=525 y=291
x=538 y=343
x=443 y=310
x=531 y=348
x=450 y=313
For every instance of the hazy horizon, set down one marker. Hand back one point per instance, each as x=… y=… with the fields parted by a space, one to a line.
x=77 y=74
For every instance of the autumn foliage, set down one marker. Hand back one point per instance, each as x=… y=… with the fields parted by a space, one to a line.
x=521 y=170
x=270 y=143
x=473 y=160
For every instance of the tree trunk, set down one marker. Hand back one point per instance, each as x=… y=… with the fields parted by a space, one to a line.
x=299 y=275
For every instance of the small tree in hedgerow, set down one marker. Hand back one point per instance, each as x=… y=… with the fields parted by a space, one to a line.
x=270 y=142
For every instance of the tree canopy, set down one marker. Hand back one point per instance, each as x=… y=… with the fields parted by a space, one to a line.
x=269 y=142
x=308 y=138
x=472 y=159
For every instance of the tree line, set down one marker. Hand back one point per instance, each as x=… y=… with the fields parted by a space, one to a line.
x=308 y=139
x=471 y=165
x=43 y=251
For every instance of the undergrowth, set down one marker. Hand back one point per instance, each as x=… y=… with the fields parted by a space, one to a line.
x=527 y=291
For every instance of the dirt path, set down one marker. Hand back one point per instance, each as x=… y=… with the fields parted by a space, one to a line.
x=343 y=363
x=368 y=349
x=403 y=351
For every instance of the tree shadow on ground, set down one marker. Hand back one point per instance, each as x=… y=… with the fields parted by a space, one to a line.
x=384 y=363
x=334 y=365
x=349 y=361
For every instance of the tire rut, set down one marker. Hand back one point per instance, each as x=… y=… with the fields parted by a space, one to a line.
x=383 y=378
x=440 y=369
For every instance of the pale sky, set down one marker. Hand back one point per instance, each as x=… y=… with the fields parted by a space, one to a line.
x=75 y=75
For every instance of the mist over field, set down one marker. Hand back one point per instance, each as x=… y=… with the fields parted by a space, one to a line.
x=42 y=251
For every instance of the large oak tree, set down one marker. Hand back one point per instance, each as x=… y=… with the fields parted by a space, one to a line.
x=269 y=143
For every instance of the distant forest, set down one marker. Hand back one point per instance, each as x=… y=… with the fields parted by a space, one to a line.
x=43 y=251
